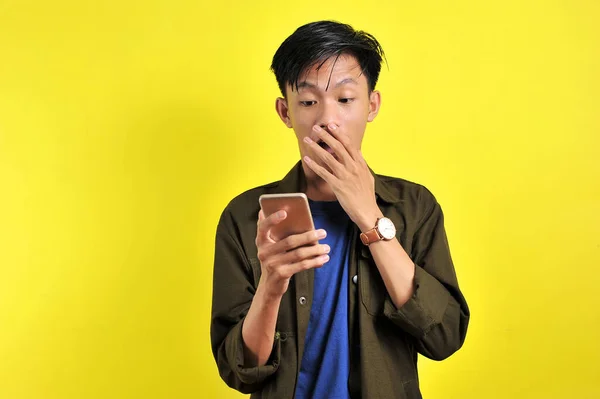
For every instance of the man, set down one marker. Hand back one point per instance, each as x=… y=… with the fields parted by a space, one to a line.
x=341 y=311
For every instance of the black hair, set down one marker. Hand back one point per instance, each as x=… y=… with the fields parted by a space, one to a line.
x=314 y=43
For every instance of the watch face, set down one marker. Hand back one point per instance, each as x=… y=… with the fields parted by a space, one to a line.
x=386 y=228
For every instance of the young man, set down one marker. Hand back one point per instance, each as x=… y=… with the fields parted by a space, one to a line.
x=341 y=311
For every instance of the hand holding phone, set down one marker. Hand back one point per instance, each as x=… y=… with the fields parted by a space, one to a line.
x=289 y=244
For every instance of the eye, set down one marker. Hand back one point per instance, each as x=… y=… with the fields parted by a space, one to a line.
x=346 y=100
x=307 y=103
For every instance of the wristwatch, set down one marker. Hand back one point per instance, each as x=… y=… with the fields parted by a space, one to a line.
x=384 y=230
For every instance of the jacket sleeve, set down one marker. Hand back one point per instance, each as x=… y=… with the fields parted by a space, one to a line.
x=233 y=291
x=436 y=315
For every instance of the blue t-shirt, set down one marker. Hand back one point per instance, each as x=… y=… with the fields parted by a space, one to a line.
x=326 y=359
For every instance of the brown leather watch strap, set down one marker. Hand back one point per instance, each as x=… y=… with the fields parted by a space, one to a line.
x=369 y=237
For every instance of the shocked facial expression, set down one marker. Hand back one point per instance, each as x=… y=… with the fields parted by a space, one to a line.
x=336 y=92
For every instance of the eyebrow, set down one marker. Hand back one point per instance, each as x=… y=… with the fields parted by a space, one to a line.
x=342 y=82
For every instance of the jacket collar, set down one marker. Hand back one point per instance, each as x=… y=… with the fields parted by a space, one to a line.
x=295 y=180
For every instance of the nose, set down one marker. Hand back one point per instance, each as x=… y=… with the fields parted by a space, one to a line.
x=328 y=114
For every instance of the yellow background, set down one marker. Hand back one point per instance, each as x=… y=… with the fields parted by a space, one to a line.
x=126 y=127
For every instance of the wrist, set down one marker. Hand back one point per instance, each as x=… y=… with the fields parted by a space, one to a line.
x=268 y=297
x=368 y=220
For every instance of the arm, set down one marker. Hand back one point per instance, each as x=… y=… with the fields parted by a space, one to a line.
x=232 y=297
x=244 y=319
x=258 y=331
x=279 y=262
x=395 y=266
x=424 y=297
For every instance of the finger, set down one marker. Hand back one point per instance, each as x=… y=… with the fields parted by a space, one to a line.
x=301 y=253
x=311 y=263
x=271 y=254
x=318 y=134
x=333 y=142
x=265 y=225
x=323 y=155
x=320 y=171
x=344 y=139
x=261 y=217
x=298 y=240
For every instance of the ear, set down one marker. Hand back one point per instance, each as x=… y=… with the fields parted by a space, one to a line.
x=374 y=104
x=283 y=111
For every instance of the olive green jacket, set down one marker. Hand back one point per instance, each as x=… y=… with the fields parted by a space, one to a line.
x=384 y=340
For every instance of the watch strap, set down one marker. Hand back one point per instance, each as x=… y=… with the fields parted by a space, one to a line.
x=370 y=236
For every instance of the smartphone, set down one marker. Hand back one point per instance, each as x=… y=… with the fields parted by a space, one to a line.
x=299 y=219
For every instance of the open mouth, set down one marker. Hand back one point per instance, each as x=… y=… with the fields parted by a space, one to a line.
x=324 y=146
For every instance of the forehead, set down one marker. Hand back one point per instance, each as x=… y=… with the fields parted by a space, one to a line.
x=334 y=72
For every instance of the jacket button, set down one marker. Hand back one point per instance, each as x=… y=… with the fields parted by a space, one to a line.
x=355 y=279
x=302 y=300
